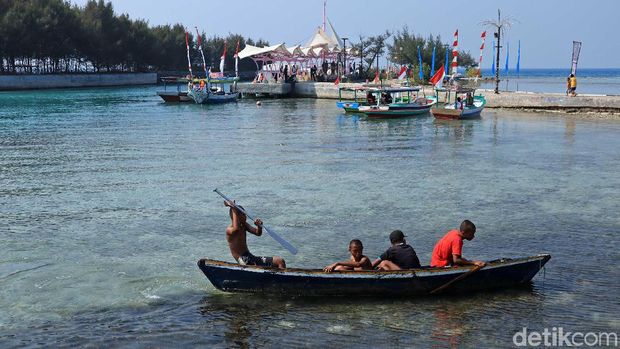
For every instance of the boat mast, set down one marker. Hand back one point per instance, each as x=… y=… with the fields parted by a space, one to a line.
x=204 y=63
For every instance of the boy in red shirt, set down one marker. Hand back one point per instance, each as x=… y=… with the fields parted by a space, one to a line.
x=448 y=250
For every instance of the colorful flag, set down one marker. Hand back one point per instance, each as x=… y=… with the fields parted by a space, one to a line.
x=518 y=68
x=438 y=77
x=446 y=64
x=507 y=55
x=377 y=80
x=189 y=61
x=420 y=63
x=433 y=62
x=493 y=59
x=237 y=59
x=402 y=75
x=204 y=63
x=576 y=50
x=483 y=37
x=223 y=60
x=337 y=80
x=455 y=52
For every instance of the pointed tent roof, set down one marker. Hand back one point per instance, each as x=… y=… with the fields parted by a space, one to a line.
x=321 y=39
x=249 y=50
x=295 y=50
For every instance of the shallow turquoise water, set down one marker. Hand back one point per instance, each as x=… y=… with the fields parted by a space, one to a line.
x=106 y=204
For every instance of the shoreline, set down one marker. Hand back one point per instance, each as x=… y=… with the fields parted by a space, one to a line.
x=52 y=81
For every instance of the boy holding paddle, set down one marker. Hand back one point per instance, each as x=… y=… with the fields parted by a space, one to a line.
x=237 y=240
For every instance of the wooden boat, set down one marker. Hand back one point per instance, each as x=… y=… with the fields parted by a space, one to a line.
x=501 y=273
x=351 y=106
x=209 y=91
x=173 y=95
x=470 y=109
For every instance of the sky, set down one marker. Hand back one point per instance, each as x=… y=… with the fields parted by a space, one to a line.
x=546 y=28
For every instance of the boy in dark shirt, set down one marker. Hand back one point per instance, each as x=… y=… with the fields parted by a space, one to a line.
x=399 y=256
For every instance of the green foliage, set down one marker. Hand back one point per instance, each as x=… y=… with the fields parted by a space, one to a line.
x=53 y=36
x=404 y=51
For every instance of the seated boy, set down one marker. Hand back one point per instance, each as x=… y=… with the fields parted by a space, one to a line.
x=357 y=262
x=399 y=256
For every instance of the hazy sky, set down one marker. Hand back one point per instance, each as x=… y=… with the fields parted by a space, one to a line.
x=546 y=28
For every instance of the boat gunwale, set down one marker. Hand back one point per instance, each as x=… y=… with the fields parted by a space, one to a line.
x=419 y=272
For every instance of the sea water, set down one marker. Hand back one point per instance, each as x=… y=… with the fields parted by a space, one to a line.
x=106 y=204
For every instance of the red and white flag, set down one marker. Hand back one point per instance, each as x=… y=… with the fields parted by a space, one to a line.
x=437 y=79
x=223 y=60
x=402 y=75
x=455 y=52
x=483 y=37
x=376 y=80
x=337 y=80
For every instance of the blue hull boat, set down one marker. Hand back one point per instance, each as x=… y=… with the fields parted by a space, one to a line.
x=502 y=273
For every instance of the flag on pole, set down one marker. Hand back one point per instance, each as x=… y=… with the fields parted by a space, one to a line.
x=420 y=62
x=337 y=80
x=202 y=54
x=446 y=63
x=237 y=60
x=483 y=37
x=433 y=62
x=518 y=68
x=189 y=61
x=493 y=63
x=455 y=52
x=223 y=60
x=402 y=75
x=576 y=50
x=376 y=79
x=507 y=55
x=437 y=78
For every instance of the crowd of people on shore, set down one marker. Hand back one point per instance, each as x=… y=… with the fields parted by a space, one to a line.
x=327 y=71
x=399 y=256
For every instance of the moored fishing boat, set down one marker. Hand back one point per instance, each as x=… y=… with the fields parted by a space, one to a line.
x=173 y=95
x=209 y=91
x=502 y=273
x=469 y=107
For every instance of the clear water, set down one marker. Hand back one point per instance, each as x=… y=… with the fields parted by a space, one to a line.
x=106 y=204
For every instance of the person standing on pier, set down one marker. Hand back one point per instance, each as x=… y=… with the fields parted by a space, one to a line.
x=573 y=84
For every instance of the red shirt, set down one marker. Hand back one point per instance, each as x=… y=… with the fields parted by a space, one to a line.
x=451 y=243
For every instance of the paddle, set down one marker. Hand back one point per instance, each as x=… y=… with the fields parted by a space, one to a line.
x=460 y=277
x=275 y=236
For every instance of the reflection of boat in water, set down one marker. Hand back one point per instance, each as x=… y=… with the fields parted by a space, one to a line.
x=465 y=106
x=208 y=91
x=174 y=95
x=502 y=273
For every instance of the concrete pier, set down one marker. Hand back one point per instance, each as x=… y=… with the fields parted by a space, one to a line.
x=251 y=90
x=34 y=82
x=514 y=100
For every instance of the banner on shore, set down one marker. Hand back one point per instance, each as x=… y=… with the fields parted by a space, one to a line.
x=576 y=50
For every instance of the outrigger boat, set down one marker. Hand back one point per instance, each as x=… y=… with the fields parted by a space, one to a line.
x=207 y=91
x=501 y=273
x=470 y=108
x=352 y=106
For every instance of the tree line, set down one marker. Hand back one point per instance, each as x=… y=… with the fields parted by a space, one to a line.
x=404 y=51
x=54 y=36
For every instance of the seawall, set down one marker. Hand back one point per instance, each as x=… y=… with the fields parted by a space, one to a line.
x=32 y=82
